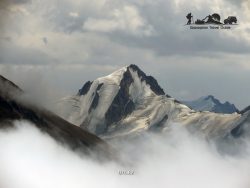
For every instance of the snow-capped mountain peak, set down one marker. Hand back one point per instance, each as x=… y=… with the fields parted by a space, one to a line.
x=131 y=74
x=128 y=102
x=108 y=99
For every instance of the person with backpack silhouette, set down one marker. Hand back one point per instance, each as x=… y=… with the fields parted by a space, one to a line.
x=189 y=17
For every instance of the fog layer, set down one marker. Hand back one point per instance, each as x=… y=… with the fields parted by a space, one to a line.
x=32 y=159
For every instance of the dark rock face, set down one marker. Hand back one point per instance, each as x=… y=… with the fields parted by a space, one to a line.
x=225 y=108
x=175 y=100
x=85 y=88
x=237 y=131
x=245 y=110
x=163 y=121
x=8 y=88
x=8 y=82
x=95 y=101
x=149 y=80
x=158 y=126
x=122 y=105
x=51 y=124
x=243 y=127
x=47 y=122
x=9 y=110
x=216 y=101
x=99 y=86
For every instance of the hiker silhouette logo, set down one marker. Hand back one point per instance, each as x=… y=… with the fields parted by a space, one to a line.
x=213 y=19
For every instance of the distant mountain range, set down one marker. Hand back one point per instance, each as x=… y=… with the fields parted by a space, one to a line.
x=211 y=104
x=129 y=102
x=125 y=103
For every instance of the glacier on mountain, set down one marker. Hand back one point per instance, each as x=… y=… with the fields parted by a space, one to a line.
x=128 y=102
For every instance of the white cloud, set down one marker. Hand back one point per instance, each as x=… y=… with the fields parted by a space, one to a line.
x=74 y=14
x=126 y=19
x=115 y=33
x=32 y=159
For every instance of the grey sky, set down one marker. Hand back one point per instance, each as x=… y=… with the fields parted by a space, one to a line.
x=88 y=39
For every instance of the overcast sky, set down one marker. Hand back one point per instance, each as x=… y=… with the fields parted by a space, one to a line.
x=60 y=44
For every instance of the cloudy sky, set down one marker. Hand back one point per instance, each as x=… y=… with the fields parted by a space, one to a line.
x=57 y=45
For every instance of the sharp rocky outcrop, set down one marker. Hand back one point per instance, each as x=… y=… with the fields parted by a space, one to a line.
x=211 y=104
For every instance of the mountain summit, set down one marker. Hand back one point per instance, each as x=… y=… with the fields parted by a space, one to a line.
x=212 y=104
x=109 y=99
x=128 y=102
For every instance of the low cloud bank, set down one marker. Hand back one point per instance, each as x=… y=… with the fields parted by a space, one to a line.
x=32 y=159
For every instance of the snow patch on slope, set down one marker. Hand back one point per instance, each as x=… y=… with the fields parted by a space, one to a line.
x=151 y=111
x=77 y=108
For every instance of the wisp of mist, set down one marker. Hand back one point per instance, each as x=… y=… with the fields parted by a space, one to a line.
x=32 y=159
